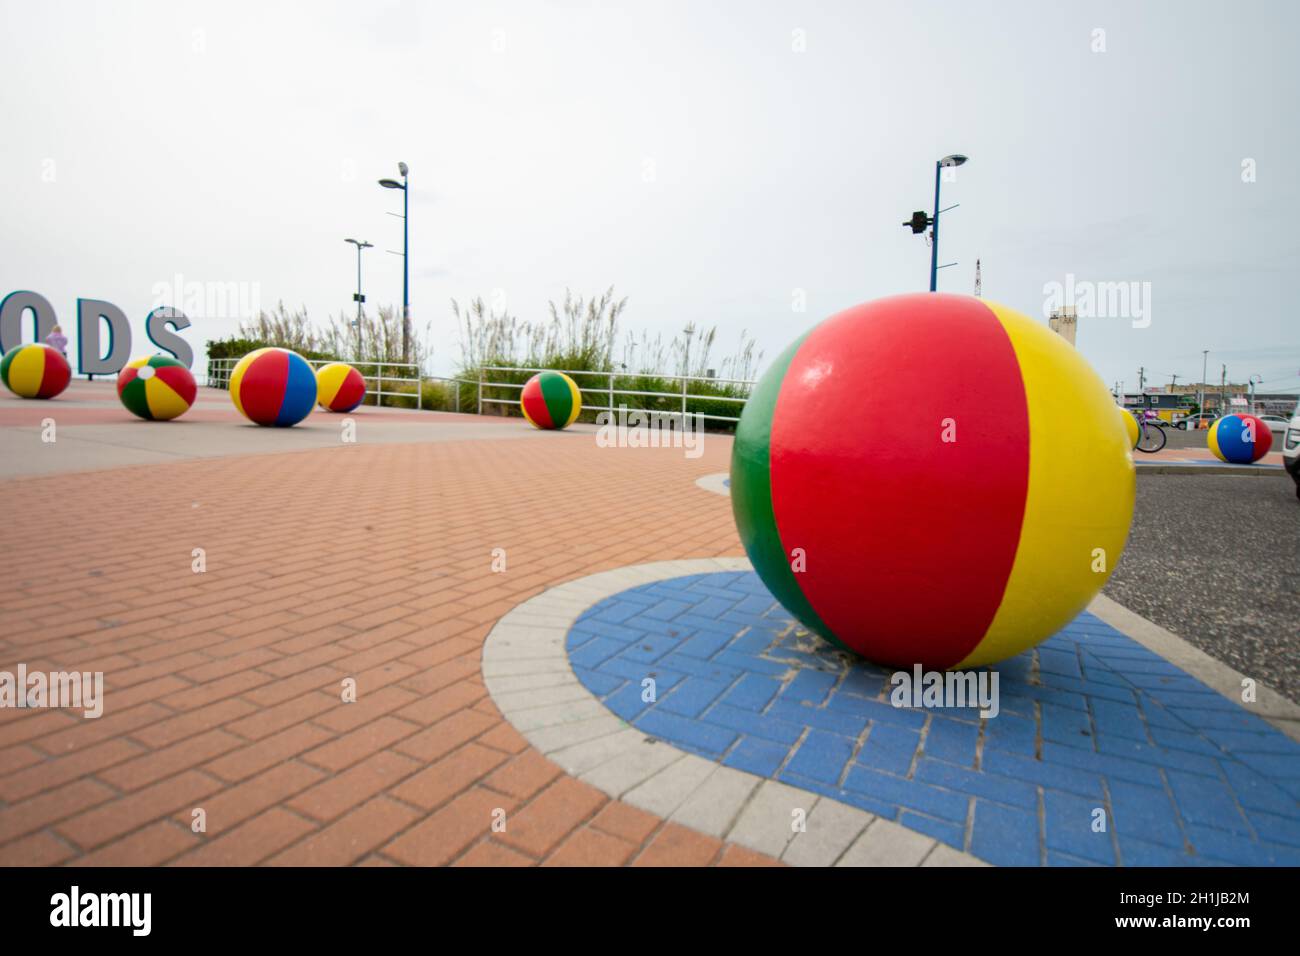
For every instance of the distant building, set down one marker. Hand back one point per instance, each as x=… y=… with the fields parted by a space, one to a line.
x=1171 y=402
x=1064 y=322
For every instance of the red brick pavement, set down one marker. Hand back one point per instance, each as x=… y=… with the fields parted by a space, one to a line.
x=223 y=689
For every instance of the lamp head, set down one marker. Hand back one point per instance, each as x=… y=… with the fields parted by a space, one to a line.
x=956 y=159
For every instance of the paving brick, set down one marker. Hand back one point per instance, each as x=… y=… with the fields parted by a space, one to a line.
x=152 y=845
x=55 y=772
x=106 y=822
x=435 y=785
x=676 y=845
x=34 y=813
x=358 y=783
x=119 y=723
x=267 y=752
x=251 y=842
x=358 y=744
x=1003 y=836
x=493 y=854
x=553 y=814
x=351 y=837
x=182 y=755
x=369 y=706
x=444 y=835
x=885 y=843
x=38 y=849
x=505 y=738
x=625 y=821
x=1068 y=825
x=589 y=847
x=1204 y=801
x=232 y=806
x=524 y=776
x=733 y=855
x=446 y=735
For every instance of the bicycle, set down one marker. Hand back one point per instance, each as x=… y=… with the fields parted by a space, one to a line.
x=1151 y=437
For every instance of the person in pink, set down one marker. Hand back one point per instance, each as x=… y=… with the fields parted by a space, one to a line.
x=56 y=339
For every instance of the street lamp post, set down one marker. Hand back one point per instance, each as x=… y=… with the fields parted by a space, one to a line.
x=404 y=186
x=1200 y=411
x=954 y=160
x=919 y=220
x=360 y=299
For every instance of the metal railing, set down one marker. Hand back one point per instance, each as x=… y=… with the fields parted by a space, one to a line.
x=607 y=388
x=219 y=370
x=408 y=374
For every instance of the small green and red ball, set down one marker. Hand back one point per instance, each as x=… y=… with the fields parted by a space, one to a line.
x=550 y=400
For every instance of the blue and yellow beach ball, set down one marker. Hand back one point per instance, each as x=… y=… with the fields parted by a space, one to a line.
x=1239 y=439
x=950 y=524
x=273 y=386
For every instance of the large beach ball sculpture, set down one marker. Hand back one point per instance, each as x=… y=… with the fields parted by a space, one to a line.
x=158 y=388
x=1239 y=439
x=339 y=387
x=273 y=386
x=551 y=400
x=932 y=479
x=1131 y=428
x=35 y=370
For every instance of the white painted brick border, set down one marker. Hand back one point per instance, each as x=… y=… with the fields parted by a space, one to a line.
x=715 y=483
x=527 y=672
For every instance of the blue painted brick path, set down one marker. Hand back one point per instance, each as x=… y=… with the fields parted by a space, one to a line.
x=1089 y=719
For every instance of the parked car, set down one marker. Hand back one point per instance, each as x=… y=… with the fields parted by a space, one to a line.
x=1276 y=423
x=1291 y=449
x=1191 y=420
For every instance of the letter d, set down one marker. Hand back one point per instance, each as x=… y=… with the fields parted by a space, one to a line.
x=90 y=361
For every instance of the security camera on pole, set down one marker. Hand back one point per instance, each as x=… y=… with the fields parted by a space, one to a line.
x=359 y=298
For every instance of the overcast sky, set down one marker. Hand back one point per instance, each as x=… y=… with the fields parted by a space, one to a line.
x=709 y=160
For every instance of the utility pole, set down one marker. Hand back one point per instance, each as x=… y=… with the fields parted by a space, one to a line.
x=979 y=284
x=1142 y=379
x=1223 y=388
x=1173 y=380
x=1200 y=402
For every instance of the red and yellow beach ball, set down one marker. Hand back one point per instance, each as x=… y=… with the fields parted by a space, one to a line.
x=158 y=388
x=932 y=479
x=273 y=386
x=551 y=400
x=1239 y=439
x=339 y=387
x=35 y=370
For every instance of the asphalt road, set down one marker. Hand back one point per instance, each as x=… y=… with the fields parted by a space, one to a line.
x=1216 y=560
